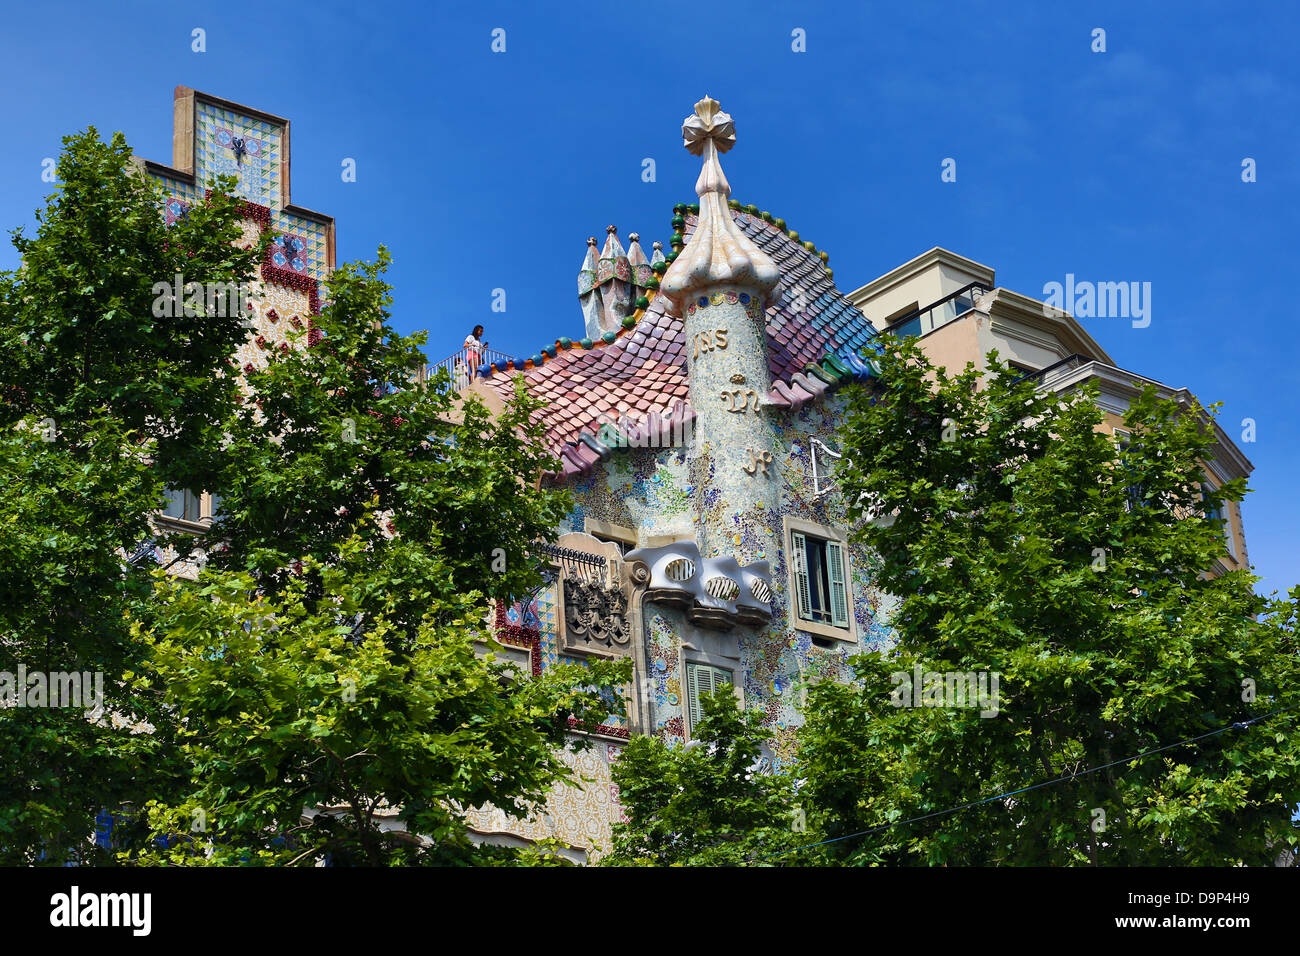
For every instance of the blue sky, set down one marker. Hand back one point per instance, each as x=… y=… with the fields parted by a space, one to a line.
x=482 y=170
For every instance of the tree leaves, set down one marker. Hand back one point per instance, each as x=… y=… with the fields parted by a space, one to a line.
x=1095 y=664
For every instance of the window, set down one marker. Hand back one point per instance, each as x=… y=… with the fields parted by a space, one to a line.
x=623 y=546
x=194 y=506
x=622 y=538
x=819 y=577
x=182 y=504
x=819 y=568
x=1124 y=441
x=1213 y=512
x=702 y=679
x=611 y=696
x=1216 y=513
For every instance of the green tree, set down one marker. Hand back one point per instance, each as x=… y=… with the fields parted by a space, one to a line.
x=303 y=731
x=705 y=804
x=1023 y=542
x=337 y=429
x=86 y=330
x=374 y=521
x=106 y=401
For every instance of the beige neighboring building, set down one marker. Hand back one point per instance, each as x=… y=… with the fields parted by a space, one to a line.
x=958 y=313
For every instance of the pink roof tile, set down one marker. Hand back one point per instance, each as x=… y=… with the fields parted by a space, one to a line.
x=643 y=372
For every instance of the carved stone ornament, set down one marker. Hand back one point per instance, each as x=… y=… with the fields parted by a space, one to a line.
x=595 y=615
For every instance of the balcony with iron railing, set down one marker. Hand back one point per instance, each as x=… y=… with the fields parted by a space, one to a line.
x=1045 y=377
x=937 y=314
x=461 y=366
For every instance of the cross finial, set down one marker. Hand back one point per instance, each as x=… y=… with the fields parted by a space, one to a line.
x=718 y=253
x=709 y=122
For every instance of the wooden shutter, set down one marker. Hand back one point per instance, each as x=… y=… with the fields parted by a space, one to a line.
x=836 y=564
x=802 y=588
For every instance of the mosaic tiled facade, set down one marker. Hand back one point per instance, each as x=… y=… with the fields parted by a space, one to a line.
x=213 y=138
x=649 y=492
x=228 y=141
x=684 y=416
x=687 y=434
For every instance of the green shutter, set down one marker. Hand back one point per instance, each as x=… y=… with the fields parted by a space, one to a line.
x=802 y=588
x=839 y=586
x=693 y=676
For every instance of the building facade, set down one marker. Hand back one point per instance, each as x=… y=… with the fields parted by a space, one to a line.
x=695 y=419
x=958 y=314
x=213 y=137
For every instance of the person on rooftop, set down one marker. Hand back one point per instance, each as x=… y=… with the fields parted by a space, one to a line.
x=474 y=346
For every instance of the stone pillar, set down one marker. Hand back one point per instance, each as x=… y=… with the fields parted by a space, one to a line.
x=720 y=284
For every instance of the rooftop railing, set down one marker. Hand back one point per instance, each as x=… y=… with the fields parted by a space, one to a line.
x=461 y=366
x=1046 y=376
x=937 y=314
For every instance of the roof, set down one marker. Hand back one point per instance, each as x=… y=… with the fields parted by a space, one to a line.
x=910 y=268
x=1126 y=384
x=814 y=340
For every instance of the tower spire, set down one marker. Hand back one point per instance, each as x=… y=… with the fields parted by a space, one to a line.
x=719 y=286
x=718 y=253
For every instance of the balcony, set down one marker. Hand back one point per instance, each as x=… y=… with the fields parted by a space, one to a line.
x=457 y=366
x=1045 y=377
x=938 y=314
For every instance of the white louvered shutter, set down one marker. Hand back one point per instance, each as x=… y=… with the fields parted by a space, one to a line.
x=839 y=586
x=801 y=585
x=702 y=679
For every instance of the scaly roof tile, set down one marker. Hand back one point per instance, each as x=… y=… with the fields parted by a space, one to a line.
x=642 y=373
